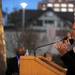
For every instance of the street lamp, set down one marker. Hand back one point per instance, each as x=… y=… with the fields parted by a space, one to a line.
x=23 y=5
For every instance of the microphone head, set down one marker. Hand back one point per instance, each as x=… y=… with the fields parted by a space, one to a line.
x=71 y=41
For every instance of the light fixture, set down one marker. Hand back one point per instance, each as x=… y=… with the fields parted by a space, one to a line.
x=23 y=5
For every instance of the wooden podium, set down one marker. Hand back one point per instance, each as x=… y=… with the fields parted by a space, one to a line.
x=30 y=65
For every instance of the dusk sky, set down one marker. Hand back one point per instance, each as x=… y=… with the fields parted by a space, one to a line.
x=11 y=4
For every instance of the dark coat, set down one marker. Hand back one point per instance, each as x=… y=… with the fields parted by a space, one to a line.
x=69 y=61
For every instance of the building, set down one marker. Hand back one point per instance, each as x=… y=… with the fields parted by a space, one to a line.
x=49 y=25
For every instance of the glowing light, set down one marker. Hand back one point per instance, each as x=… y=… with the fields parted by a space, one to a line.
x=23 y=5
x=57 y=9
x=63 y=9
x=63 y=5
x=49 y=5
x=56 y=5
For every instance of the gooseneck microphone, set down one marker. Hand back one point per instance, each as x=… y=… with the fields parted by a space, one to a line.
x=71 y=41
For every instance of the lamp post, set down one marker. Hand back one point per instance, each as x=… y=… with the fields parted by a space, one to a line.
x=23 y=5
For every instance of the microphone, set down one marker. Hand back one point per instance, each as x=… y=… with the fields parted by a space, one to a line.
x=70 y=40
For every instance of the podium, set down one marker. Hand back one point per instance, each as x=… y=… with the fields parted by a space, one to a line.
x=30 y=65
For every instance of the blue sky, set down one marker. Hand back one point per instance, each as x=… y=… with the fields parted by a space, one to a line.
x=11 y=4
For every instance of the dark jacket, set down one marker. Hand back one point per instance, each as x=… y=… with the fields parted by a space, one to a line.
x=69 y=61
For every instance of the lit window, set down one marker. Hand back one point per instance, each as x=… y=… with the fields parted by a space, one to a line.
x=49 y=5
x=63 y=9
x=44 y=5
x=56 y=5
x=57 y=9
x=63 y=5
x=43 y=9
x=70 y=9
x=71 y=5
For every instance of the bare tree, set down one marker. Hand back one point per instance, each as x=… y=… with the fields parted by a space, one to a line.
x=28 y=40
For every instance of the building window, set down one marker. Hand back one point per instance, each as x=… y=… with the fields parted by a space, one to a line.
x=56 y=9
x=38 y=23
x=63 y=9
x=59 y=24
x=49 y=21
